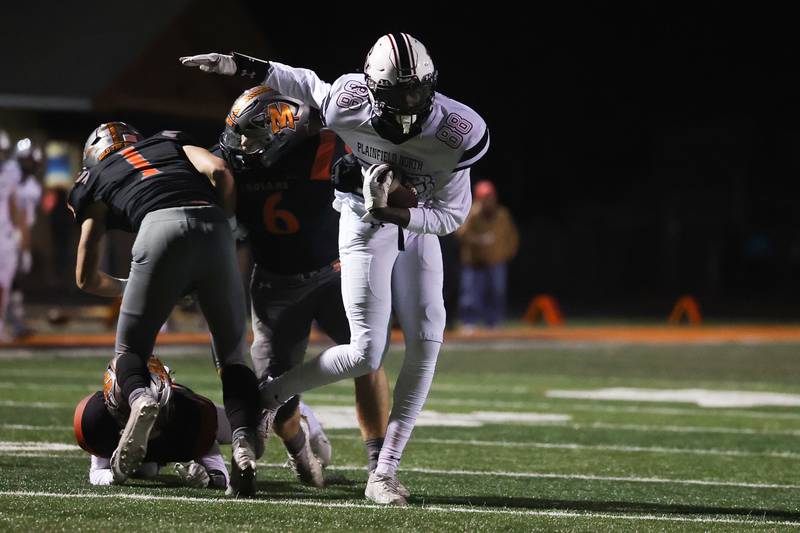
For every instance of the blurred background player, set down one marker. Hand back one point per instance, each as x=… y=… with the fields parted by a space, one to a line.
x=397 y=125
x=28 y=197
x=188 y=431
x=489 y=240
x=281 y=161
x=179 y=200
x=14 y=236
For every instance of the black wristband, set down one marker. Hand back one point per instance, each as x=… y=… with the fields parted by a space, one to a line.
x=250 y=67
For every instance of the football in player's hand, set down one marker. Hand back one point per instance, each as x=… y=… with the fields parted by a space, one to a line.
x=401 y=196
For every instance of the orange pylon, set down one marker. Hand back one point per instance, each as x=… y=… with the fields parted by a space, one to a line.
x=544 y=307
x=686 y=306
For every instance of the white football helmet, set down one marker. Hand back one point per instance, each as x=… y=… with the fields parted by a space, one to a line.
x=401 y=79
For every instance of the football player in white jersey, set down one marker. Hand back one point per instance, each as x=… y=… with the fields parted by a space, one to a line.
x=28 y=195
x=13 y=230
x=399 y=127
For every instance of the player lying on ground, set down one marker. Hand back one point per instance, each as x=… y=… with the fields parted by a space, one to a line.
x=282 y=162
x=187 y=432
x=394 y=121
x=179 y=199
x=14 y=230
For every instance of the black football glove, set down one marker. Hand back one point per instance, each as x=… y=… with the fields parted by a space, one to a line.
x=347 y=175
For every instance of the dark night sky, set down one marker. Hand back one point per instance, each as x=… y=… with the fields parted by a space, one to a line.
x=646 y=150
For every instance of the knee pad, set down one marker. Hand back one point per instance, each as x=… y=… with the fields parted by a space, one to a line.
x=431 y=327
x=367 y=356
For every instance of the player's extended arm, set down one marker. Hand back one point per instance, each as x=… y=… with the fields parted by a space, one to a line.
x=299 y=83
x=88 y=275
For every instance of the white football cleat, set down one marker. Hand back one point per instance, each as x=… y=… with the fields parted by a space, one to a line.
x=385 y=490
x=132 y=446
x=320 y=444
x=305 y=465
x=243 y=466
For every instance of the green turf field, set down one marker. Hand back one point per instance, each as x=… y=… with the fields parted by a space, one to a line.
x=487 y=458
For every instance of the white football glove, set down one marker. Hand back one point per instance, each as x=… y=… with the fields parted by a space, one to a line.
x=239 y=232
x=192 y=475
x=214 y=63
x=377 y=183
x=101 y=477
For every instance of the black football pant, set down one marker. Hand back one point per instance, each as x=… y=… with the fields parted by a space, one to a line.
x=178 y=250
x=284 y=307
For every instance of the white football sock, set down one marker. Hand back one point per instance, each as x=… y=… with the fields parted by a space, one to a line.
x=410 y=393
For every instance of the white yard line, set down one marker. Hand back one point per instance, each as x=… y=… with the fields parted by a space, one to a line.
x=411 y=509
x=36 y=405
x=612 y=448
x=26 y=427
x=29 y=446
x=682 y=429
x=596 y=447
x=594 y=425
x=573 y=406
x=568 y=477
x=47 y=386
x=28 y=449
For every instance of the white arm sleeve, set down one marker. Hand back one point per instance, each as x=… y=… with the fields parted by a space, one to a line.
x=300 y=83
x=100 y=472
x=448 y=208
x=213 y=460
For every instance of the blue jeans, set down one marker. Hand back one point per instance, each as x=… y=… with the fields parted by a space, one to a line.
x=483 y=294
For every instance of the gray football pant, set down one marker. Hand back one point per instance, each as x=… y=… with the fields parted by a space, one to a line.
x=178 y=250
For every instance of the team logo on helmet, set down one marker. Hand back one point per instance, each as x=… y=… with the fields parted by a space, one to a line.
x=261 y=125
x=282 y=115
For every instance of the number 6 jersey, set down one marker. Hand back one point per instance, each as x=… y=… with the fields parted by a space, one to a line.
x=286 y=207
x=435 y=162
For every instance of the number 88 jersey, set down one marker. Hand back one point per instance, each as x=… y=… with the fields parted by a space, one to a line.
x=452 y=138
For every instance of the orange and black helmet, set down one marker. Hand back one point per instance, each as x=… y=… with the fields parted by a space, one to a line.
x=106 y=139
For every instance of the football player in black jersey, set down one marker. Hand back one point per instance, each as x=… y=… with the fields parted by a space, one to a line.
x=188 y=432
x=179 y=199
x=281 y=159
